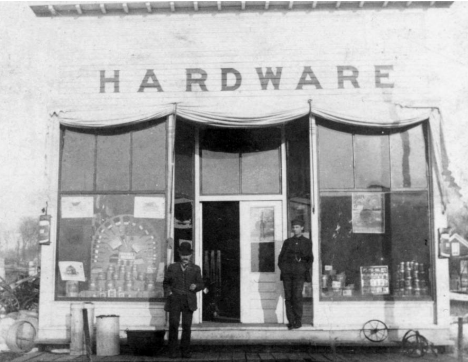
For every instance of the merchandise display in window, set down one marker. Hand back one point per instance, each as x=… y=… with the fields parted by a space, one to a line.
x=374 y=222
x=125 y=252
x=112 y=212
x=375 y=280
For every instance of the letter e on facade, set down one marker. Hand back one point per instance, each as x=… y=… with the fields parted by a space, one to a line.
x=381 y=74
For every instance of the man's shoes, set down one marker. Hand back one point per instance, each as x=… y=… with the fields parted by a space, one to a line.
x=297 y=325
x=290 y=326
x=186 y=355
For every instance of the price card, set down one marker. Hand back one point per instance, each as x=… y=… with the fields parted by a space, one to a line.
x=126 y=256
x=374 y=280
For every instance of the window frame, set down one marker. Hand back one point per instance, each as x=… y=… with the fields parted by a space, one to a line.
x=281 y=140
x=321 y=122
x=60 y=193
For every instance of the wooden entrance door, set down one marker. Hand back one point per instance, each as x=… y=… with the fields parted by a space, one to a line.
x=261 y=234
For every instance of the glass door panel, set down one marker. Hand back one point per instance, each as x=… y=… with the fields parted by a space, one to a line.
x=261 y=239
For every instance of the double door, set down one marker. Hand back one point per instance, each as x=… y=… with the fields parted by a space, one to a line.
x=241 y=244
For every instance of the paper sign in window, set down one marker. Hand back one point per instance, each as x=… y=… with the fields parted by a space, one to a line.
x=138 y=247
x=77 y=207
x=149 y=207
x=72 y=270
x=115 y=243
x=368 y=213
x=160 y=274
x=262 y=224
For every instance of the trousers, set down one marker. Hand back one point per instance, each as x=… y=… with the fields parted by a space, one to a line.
x=293 y=285
x=179 y=306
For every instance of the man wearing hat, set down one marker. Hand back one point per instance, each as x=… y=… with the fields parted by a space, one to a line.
x=181 y=283
x=295 y=262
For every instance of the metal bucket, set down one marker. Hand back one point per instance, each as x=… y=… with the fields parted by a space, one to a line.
x=107 y=335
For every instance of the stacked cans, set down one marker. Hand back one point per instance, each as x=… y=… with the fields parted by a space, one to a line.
x=411 y=279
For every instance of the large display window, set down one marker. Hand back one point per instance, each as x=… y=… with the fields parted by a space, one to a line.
x=374 y=213
x=112 y=213
x=245 y=161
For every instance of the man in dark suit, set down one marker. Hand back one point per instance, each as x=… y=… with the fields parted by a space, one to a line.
x=295 y=262
x=181 y=283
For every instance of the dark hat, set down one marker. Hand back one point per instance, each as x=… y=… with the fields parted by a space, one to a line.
x=185 y=249
x=297 y=222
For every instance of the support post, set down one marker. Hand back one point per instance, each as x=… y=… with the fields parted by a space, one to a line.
x=460 y=339
x=88 y=346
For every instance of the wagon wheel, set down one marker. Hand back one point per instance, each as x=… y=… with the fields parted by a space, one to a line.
x=375 y=330
x=30 y=304
x=414 y=344
x=10 y=302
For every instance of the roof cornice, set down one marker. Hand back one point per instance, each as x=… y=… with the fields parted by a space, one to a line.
x=71 y=9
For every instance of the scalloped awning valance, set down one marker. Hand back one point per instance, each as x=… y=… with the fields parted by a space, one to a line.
x=235 y=113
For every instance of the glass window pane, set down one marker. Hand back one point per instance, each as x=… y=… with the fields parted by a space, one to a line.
x=74 y=245
x=364 y=266
x=262 y=257
x=335 y=159
x=298 y=172
x=345 y=251
x=119 y=241
x=262 y=239
x=261 y=172
x=184 y=157
x=408 y=156
x=77 y=168
x=261 y=165
x=372 y=161
x=149 y=158
x=113 y=162
x=220 y=172
x=220 y=161
x=410 y=227
x=184 y=183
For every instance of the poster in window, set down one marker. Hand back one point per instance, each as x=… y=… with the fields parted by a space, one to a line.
x=77 y=207
x=149 y=207
x=72 y=270
x=262 y=224
x=368 y=213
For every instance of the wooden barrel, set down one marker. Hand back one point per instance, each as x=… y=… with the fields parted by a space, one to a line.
x=21 y=335
x=22 y=314
x=13 y=315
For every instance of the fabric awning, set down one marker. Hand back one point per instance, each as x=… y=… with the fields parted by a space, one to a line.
x=237 y=113
x=242 y=112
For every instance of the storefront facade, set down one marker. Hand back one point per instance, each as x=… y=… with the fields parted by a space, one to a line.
x=162 y=132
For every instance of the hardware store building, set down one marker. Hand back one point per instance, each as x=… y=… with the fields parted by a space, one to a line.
x=218 y=123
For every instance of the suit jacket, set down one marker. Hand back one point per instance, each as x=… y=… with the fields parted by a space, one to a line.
x=177 y=283
x=302 y=251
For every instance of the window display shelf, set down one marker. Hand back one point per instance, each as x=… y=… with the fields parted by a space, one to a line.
x=370 y=298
